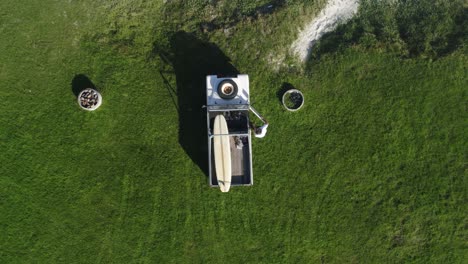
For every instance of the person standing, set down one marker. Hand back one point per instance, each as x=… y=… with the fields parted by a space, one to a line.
x=261 y=131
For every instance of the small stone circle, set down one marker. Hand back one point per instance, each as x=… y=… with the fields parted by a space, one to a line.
x=89 y=99
x=293 y=100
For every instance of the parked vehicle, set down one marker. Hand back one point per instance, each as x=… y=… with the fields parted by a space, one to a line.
x=229 y=150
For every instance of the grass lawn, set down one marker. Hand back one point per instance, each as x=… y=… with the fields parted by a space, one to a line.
x=371 y=170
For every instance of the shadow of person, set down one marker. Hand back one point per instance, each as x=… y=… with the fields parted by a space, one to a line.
x=192 y=60
x=81 y=82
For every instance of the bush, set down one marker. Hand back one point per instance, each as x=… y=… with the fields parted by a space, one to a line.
x=429 y=27
x=424 y=28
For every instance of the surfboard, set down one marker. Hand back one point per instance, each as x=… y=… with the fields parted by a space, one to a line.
x=222 y=153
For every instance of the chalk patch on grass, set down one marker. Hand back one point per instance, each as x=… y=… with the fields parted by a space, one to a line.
x=334 y=13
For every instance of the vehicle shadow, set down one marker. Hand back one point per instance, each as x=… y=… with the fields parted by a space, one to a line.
x=192 y=60
x=81 y=82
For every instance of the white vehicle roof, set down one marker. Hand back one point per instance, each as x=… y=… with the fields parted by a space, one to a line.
x=243 y=94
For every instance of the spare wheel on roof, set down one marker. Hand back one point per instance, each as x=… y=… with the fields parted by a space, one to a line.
x=227 y=89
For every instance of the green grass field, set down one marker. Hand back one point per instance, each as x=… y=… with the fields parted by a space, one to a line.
x=371 y=170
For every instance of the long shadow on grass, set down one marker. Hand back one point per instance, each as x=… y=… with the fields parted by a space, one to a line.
x=192 y=60
x=225 y=22
x=81 y=82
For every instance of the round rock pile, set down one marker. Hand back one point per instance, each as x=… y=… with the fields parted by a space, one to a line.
x=89 y=99
x=293 y=100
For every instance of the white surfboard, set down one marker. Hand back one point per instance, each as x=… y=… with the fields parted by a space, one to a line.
x=222 y=153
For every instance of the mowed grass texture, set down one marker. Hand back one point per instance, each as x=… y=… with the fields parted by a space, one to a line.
x=371 y=170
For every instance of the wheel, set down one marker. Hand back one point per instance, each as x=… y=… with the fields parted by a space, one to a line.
x=227 y=89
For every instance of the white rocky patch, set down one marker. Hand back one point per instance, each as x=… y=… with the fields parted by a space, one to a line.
x=335 y=12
